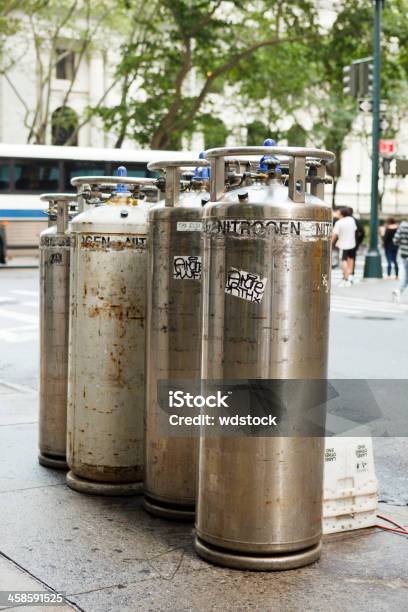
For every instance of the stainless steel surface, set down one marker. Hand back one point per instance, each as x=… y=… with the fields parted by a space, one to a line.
x=260 y=562
x=173 y=174
x=297 y=161
x=107 y=348
x=327 y=156
x=103 y=488
x=173 y=342
x=55 y=464
x=168 y=511
x=54 y=308
x=261 y=497
x=77 y=181
x=60 y=197
x=169 y=163
x=93 y=189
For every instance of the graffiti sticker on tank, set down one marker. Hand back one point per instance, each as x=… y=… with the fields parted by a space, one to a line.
x=187 y=267
x=55 y=258
x=325 y=283
x=245 y=285
x=189 y=226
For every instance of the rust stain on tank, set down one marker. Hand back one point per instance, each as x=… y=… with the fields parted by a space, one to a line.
x=109 y=311
x=93 y=311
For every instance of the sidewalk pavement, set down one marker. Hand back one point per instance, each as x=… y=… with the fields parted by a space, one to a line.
x=107 y=554
x=20 y=263
x=379 y=289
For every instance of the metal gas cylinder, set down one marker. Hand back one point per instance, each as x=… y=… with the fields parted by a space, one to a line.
x=173 y=332
x=54 y=308
x=106 y=390
x=266 y=292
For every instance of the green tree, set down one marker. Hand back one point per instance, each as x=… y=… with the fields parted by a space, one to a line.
x=9 y=21
x=301 y=81
x=56 y=29
x=256 y=132
x=214 y=130
x=195 y=48
x=350 y=38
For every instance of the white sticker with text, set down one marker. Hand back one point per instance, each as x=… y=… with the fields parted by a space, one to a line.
x=245 y=285
x=187 y=267
x=189 y=226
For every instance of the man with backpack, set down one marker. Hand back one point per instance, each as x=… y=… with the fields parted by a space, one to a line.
x=344 y=237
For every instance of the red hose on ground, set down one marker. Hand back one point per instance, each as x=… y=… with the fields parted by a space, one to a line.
x=401 y=529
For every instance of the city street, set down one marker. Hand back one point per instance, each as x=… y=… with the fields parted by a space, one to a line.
x=108 y=554
x=271 y=135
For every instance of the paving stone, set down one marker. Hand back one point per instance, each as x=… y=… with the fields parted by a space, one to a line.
x=78 y=542
x=331 y=584
x=18 y=459
x=17 y=408
x=13 y=578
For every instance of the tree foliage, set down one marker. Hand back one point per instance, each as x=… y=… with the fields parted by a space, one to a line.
x=46 y=26
x=272 y=58
x=270 y=64
x=196 y=49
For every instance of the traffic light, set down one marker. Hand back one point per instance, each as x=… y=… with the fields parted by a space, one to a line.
x=366 y=78
x=350 y=81
x=358 y=78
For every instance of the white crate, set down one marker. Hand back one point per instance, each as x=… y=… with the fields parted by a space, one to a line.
x=350 y=497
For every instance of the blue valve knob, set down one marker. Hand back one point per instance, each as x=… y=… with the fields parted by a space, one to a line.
x=263 y=165
x=121 y=187
x=202 y=173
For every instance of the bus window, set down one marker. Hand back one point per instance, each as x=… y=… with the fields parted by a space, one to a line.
x=36 y=175
x=4 y=176
x=134 y=170
x=82 y=168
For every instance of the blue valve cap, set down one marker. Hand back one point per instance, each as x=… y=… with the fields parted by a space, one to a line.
x=121 y=187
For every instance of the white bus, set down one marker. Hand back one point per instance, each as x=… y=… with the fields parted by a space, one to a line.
x=26 y=171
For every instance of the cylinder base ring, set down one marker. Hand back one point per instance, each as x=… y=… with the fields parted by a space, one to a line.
x=57 y=463
x=168 y=511
x=242 y=561
x=103 y=488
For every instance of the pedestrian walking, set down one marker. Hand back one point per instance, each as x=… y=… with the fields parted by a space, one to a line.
x=401 y=241
x=3 y=242
x=344 y=237
x=360 y=234
x=390 y=248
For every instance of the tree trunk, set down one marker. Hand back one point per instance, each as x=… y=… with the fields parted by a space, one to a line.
x=120 y=138
x=160 y=141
